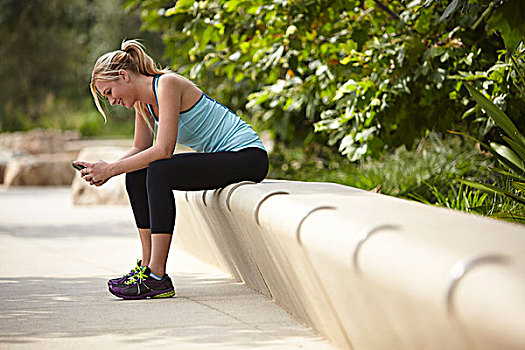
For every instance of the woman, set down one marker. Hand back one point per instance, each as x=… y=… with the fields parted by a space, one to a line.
x=227 y=151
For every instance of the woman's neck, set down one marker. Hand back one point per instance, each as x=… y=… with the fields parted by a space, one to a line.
x=144 y=89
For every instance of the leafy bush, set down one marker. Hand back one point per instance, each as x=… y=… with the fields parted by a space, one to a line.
x=366 y=74
x=435 y=172
x=511 y=156
x=436 y=160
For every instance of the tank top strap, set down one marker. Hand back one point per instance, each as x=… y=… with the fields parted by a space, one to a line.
x=155 y=86
x=150 y=109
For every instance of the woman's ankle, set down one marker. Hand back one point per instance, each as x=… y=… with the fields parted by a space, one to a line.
x=158 y=271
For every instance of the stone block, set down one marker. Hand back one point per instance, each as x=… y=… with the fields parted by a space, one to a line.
x=112 y=192
x=40 y=170
x=38 y=141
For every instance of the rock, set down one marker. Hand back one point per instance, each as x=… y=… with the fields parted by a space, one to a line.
x=112 y=192
x=78 y=145
x=38 y=141
x=5 y=156
x=71 y=135
x=40 y=170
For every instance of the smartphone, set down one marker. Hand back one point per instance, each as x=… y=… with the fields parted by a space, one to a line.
x=78 y=166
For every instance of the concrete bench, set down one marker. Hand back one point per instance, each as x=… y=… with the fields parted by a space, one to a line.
x=365 y=270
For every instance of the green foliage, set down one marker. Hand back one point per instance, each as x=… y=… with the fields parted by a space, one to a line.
x=435 y=161
x=432 y=173
x=501 y=119
x=365 y=74
x=47 y=51
x=512 y=157
x=507 y=19
x=461 y=199
x=504 y=16
x=33 y=61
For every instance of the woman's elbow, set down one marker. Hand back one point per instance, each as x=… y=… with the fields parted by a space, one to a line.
x=165 y=153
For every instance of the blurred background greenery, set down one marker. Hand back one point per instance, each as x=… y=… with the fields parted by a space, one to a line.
x=47 y=51
x=361 y=93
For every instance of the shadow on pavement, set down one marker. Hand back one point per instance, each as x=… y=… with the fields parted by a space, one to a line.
x=56 y=308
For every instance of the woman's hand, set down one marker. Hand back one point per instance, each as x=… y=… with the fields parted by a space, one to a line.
x=95 y=173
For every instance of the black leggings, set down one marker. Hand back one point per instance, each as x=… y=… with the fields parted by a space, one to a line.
x=150 y=189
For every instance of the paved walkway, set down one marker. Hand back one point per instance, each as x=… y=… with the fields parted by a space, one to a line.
x=54 y=262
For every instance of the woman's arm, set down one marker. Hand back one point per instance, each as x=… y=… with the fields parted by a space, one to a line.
x=143 y=138
x=169 y=97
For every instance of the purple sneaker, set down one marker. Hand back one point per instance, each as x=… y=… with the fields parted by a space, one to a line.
x=120 y=280
x=142 y=286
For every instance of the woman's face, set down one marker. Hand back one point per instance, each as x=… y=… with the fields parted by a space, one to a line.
x=118 y=91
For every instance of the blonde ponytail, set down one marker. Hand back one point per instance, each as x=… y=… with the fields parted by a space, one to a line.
x=131 y=57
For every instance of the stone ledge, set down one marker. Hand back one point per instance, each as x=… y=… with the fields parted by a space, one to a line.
x=365 y=270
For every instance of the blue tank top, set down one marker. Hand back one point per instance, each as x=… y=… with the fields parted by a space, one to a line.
x=208 y=126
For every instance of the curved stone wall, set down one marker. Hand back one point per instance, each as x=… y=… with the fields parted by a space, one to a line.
x=365 y=270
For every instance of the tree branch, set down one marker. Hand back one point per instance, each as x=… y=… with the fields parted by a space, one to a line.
x=386 y=9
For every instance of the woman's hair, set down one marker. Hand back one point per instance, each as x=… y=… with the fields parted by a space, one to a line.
x=131 y=57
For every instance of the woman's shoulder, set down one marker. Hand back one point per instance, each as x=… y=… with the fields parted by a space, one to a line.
x=176 y=83
x=174 y=79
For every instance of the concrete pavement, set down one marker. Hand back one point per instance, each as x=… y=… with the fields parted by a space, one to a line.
x=54 y=262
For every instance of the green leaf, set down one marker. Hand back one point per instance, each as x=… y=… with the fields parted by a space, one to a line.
x=232 y=5
x=499 y=117
x=502 y=160
x=450 y=9
x=509 y=217
x=508 y=20
x=128 y=4
x=469 y=112
x=506 y=173
x=180 y=7
x=494 y=189
x=419 y=198
x=516 y=148
x=519 y=185
x=508 y=154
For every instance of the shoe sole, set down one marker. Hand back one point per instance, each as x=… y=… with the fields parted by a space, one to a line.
x=155 y=294
x=169 y=294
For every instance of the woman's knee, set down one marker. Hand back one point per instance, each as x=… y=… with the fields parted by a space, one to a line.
x=261 y=167
x=167 y=174
x=135 y=180
x=157 y=172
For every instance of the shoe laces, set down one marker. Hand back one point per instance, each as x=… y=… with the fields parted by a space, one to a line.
x=134 y=270
x=138 y=277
